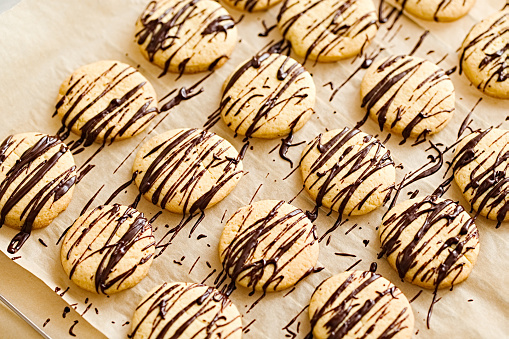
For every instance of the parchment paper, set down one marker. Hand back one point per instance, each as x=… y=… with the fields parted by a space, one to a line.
x=42 y=42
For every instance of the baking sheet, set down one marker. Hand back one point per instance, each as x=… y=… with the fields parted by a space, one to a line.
x=42 y=42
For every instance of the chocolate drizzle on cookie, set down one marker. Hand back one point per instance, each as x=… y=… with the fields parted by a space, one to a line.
x=496 y=62
x=397 y=71
x=357 y=164
x=200 y=316
x=462 y=238
x=438 y=11
x=340 y=317
x=239 y=260
x=489 y=181
x=331 y=30
x=458 y=230
x=166 y=30
x=172 y=154
x=291 y=90
x=49 y=148
x=114 y=120
x=111 y=252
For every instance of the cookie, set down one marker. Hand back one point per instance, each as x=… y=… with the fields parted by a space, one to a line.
x=108 y=249
x=37 y=179
x=348 y=171
x=105 y=101
x=485 y=56
x=252 y=5
x=186 y=310
x=437 y=10
x=358 y=304
x=481 y=170
x=267 y=97
x=431 y=242
x=408 y=95
x=187 y=170
x=268 y=246
x=186 y=36
x=328 y=30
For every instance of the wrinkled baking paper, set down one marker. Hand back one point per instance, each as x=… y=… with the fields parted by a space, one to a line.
x=42 y=42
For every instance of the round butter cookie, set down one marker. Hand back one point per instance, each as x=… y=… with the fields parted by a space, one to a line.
x=348 y=171
x=187 y=170
x=269 y=96
x=186 y=310
x=437 y=10
x=268 y=246
x=485 y=55
x=108 y=249
x=408 y=95
x=37 y=179
x=105 y=101
x=358 y=304
x=186 y=36
x=328 y=30
x=431 y=242
x=481 y=170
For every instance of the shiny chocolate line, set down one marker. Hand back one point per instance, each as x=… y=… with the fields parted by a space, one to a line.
x=51 y=191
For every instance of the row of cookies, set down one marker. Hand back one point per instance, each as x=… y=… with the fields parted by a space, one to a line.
x=94 y=130
x=321 y=30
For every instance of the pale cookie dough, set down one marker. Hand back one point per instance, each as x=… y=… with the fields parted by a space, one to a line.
x=408 y=95
x=187 y=170
x=358 y=304
x=105 y=101
x=347 y=170
x=186 y=36
x=108 y=249
x=268 y=246
x=481 y=170
x=252 y=5
x=431 y=242
x=328 y=30
x=485 y=55
x=269 y=96
x=186 y=310
x=37 y=179
x=437 y=10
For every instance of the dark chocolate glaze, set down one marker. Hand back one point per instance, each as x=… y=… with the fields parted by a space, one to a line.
x=366 y=63
x=441 y=7
x=489 y=181
x=359 y=164
x=331 y=28
x=434 y=164
x=249 y=5
x=49 y=148
x=204 y=313
x=398 y=70
x=291 y=90
x=287 y=142
x=71 y=329
x=266 y=29
x=467 y=121
x=444 y=212
x=171 y=33
x=78 y=93
x=238 y=262
x=497 y=62
x=341 y=319
x=172 y=154
x=111 y=252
